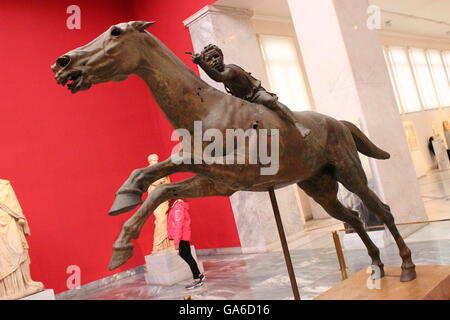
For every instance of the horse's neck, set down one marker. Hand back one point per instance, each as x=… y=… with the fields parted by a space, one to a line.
x=174 y=86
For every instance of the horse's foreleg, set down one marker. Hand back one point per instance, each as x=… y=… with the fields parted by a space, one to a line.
x=194 y=187
x=130 y=193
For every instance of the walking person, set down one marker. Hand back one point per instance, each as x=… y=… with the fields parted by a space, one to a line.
x=179 y=230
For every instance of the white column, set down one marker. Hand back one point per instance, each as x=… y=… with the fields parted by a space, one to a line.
x=349 y=80
x=232 y=30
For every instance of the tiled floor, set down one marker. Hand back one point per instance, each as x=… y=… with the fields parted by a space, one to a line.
x=264 y=276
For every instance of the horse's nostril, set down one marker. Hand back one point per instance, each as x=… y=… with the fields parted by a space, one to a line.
x=63 y=61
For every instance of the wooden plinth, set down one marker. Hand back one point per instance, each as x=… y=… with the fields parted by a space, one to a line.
x=432 y=283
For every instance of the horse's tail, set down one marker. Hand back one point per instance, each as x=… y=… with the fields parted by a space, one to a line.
x=363 y=144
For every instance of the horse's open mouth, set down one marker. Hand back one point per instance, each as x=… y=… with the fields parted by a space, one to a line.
x=74 y=81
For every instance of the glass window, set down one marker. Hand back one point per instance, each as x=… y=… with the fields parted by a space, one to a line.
x=423 y=78
x=404 y=79
x=284 y=72
x=440 y=79
x=391 y=76
x=446 y=58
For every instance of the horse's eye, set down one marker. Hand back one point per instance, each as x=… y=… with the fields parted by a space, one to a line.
x=116 y=32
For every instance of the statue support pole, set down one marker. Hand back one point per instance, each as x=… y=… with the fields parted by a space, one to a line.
x=287 y=255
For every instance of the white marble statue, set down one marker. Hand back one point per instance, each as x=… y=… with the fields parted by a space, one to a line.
x=160 y=239
x=15 y=277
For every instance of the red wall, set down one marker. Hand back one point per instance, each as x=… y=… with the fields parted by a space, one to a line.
x=66 y=155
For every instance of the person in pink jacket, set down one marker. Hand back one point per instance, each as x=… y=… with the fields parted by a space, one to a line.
x=179 y=230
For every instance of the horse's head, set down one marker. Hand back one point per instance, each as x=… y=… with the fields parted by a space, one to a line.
x=112 y=56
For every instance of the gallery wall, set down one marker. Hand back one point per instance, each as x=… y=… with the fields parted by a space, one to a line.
x=66 y=155
x=421 y=120
x=423 y=123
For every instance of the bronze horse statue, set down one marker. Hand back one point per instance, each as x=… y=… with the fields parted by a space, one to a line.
x=316 y=163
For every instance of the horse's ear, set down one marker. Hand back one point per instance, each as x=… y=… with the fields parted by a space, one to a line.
x=141 y=25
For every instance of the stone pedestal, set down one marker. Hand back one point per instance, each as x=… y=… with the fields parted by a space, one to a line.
x=441 y=154
x=47 y=294
x=447 y=137
x=166 y=268
x=349 y=79
x=255 y=219
x=432 y=283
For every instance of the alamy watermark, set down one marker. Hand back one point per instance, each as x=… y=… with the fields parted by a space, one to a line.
x=236 y=146
x=374 y=20
x=74 y=20
x=74 y=280
x=374 y=280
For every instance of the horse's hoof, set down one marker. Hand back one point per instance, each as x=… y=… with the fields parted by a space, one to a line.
x=120 y=255
x=408 y=274
x=124 y=202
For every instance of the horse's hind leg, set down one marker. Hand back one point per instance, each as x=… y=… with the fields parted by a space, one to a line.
x=374 y=204
x=323 y=189
x=351 y=174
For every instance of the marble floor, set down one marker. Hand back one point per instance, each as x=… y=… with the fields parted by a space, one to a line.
x=264 y=276
x=435 y=190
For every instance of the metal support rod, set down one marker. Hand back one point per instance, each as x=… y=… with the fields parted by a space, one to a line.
x=284 y=245
x=340 y=255
x=397 y=224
